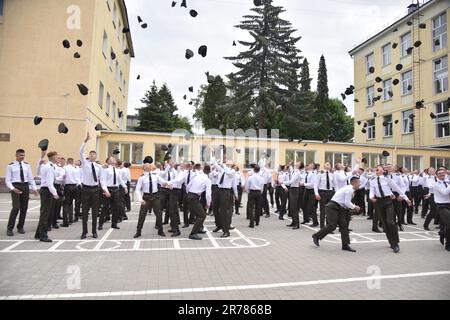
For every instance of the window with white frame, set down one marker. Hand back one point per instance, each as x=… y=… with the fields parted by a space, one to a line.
x=120 y=81
x=387 y=124
x=117 y=71
x=442 y=121
x=101 y=93
x=124 y=86
x=370 y=62
x=370 y=93
x=371 y=129
x=220 y=153
x=180 y=153
x=439 y=26
x=111 y=63
x=437 y=162
x=114 y=111
x=114 y=15
x=408 y=121
x=373 y=159
x=387 y=87
x=119 y=31
x=124 y=43
x=406 y=43
x=345 y=159
x=108 y=103
x=105 y=44
x=108 y=5
x=306 y=157
x=253 y=155
x=1 y=11
x=440 y=75
x=386 y=52
x=410 y=162
x=407 y=82
x=129 y=152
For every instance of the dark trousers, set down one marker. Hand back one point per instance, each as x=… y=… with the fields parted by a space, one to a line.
x=186 y=209
x=19 y=204
x=301 y=200
x=127 y=198
x=360 y=201
x=265 y=202
x=370 y=207
x=254 y=207
x=77 y=205
x=336 y=216
x=195 y=205
x=325 y=198
x=112 y=207
x=443 y=210
x=416 y=193
x=225 y=203
x=398 y=210
x=271 y=194
x=174 y=212
x=90 y=198
x=215 y=206
x=53 y=219
x=385 y=210
x=164 y=200
x=122 y=213
x=151 y=203
x=47 y=207
x=309 y=199
x=237 y=203
x=281 y=197
x=70 y=194
x=425 y=203
x=293 y=206
x=432 y=214
x=407 y=209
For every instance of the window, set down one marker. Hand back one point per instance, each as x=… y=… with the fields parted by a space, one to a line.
x=371 y=129
x=1 y=11
x=124 y=43
x=370 y=62
x=119 y=31
x=117 y=71
x=111 y=59
x=410 y=162
x=253 y=155
x=129 y=152
x=105 y=44
x=440 y=75
x=344 y=158
x=180 y=153
x=387 y=120
x=386 y=51
x=221 y=154
x=370 y=92
x=101 y=92
x=442 y=121
x=437 y=162
x=406 y=43
x=108 y=5
x=408 y=121
x=124 y=86
x=120 y=81
x=108 y=103
x=373 y=159
x=440 y=32
x=300 y=156
x=407 y=84
x=115 y=15
x=387 y=88
x=114 y=111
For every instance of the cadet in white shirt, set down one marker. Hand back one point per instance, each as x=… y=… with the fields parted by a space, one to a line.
x=415 y=190
x=48 y=197
x=59 y=186
x=78 y=197
x=337 y=214
x=432 y=213
x=240 y=186
x=126 y=176
x=280 y=194
x=198 y=185
x=177 y=178
x=381 y=193
x=309 y=198
x=19 y=178
x=168 y=174
x=147 y=194
x=267 y=176
x=324 y=190
x=296 y=180
x=214 y=208
x=254 y=187
x=71 y=183
x=340 y=177
x=425 y=190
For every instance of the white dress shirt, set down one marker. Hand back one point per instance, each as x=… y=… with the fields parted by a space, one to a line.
x=200 y=183
x=143 y=184
x=344 y=197
x=341 y=179
x=13 y=175
x=227 y=174
x=296 y=179
x=87 y=177
x=72 y=175
x=414 y=180
x=321 y=182
x=214 y=176
x=310 y=180
x=126 y=175
x=441 y=191
x=429 y=183
x=107 y=178
x=255 y=183
x=48 y=177
x=59 y=175
x=387 y=185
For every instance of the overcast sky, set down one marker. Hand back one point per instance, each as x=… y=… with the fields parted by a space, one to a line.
x=328 y=27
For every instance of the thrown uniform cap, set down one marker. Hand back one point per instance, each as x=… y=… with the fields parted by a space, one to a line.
x=325 y=141
x=144 y=26
x=83 y=89
x=168 y=156
x=380 y=89
x=291 y=140
x=372 y=69
x=423 y=26
x=395 y=30
x=418 y=43
x=359 y=123
x=183 y=4
x=395 y=82
x=385 y=124
x=203 y=51
x=189 y=53
x=343 y=96
x=432 y=116
x=300 y=140
x=396 y=121
x=409 y=23
x=238 y=150
x=76 y=55
x=66 y=44
x=98 y=127
x=125 y=30
x=375 y=114
x=399 y=67
x=43 y=145
x=412 y=116
x=378 y=79
x=409 y=50
x=394 y=45
x=37 y=120
x=174 y=4
x=356 y=100
x=138 y=77
x=140 y=19
x=234 y=44
x=364 y=131
x=148 y=160
x=349 y=91
x=419 y=104
x=386 y=154
x=116 y=152
x=126 y=51
x=193 y=13
x=63 y=129
x=191 y=89
x=79 y=43
x=257 y=2
x=113 y=55
x=185 y=97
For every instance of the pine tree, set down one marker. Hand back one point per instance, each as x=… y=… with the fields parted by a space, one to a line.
x=305 y=80
x=322 y=103
x=266 y=68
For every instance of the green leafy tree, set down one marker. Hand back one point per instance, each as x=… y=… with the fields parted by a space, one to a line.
x=342 y=125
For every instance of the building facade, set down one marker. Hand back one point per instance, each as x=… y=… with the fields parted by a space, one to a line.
x=38 y=76
x=393 y=105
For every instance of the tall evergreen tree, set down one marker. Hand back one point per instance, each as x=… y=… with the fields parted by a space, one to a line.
x=265 y=68
x=322 y=103
x=305 y=80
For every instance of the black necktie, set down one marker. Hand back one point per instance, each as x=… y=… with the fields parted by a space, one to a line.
x=345 y=172
x=151 y=183
x=189 y=177
x=328 y=181
x=168 y=175
x=115 y=178
x=435 y=179
x=307 y=178
x=223 y=178
x=22 y=176
x=380 y=188
x=94 y=174
x=445 y=183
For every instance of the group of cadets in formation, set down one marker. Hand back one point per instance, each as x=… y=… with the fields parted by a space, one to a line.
x=389 y=195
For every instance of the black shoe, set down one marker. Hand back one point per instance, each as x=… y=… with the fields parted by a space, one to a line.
x=49 y=229
x=165 y=223
x=115 y=227
x=290 y=225
x=65 y=225
x=195 y=237
x=232 y=228
x=376 y=230
x=412 y=223
x=280 y=218
x=316 y=240
x=83 y=236
x=305 y=222
x=216 y=230
x=296 y=227
x=348 y=248
x=185 y=226
x=94 y=235
x=251 y=226
x=55 y=226
x=426 y=228
x=276 y=211
x=442 y=239
x=396 y=248
x=314 y=225
x=45 y=240
x=225 y=235
x=170 y=231
x=176 y=233
x=21 y=231
x=161 y=233
x=400 y=227
x=237 y=213
x=75 y=220
x=125 y=218
x=267 y=215
x=369 y=218
x=447 y=248
x=202 y=232
x=350 y=230
x=100 y=228
x=9 y=233
x=137 y=235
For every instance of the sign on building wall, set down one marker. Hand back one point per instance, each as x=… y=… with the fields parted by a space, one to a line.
x=5 y=137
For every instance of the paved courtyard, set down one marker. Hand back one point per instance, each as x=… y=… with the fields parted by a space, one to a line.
x=269 y=262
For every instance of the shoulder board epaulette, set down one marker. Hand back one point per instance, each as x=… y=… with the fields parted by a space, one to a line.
x=11 y=164
x=26 y=162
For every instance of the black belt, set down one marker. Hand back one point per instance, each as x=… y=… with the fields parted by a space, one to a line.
x=294 y=188
x=113 y=188
x=309 y=190
x=70 y=185
x=20 y=183
x=90 y=187
x=229 y=189
x=383 y=198
x=255 y=191
x=45 y=188
x=150 y=194
x=325 y=190
x=194 y=194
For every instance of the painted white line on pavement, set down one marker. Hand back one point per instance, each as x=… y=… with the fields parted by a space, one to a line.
x=136 y=245
x=228 y=288
x=103 y=239
x=250 y=242
x=56 y=245
x=18 y=243
x=211 y=238
x=176 y=244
